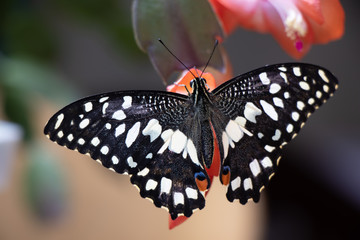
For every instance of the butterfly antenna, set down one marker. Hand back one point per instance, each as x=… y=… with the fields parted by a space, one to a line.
x=175 y=57
x=212 y=53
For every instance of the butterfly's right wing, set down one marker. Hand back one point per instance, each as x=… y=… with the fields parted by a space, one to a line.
x=140 y=133
x=259 y=112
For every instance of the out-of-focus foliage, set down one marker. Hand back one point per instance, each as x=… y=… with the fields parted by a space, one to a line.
x=110 y=16
x=25 y=31
x=21 y=24
x=21 y=81
x=29 y=51
x=44 y=184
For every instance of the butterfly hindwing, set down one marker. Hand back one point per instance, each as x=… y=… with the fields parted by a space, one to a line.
x=138 y=133
x=261 y=111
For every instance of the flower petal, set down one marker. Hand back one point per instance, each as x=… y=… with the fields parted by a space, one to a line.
x=312 y=9
x=334 y=21
x=213 y=76
x=295 y=24
x=289 y=28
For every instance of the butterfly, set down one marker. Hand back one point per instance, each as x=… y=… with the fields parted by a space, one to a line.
x=165 y=140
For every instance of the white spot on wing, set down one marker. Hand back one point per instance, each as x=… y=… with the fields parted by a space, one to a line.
x=95 y=141
x=255 y=167
x=165 y=185
x=241 y=121
x=70 y=137
x=119 y=130
x=150 y=185
x=184 y=154
x=311 y=101
x=277 y=135
x=119 y=115
x=88 y=106
x=132 y=134
x=178 y=198
x=283 y=75
x=300 y=105
x=274 y=88
x=326 y=88
x=149 y=156
x=83 y=124
x=266 y=162
x=225 y=142
x=81 y=141
x=233 y=131
x=318 y=94
x=114 y=160
x=304 y=85
x=178 y=141
x=60 y=134
x=103 y=99
x=166 y=136
x=297 y=71
x=286 y=95
x=127 y=102
x=59 y=120
x=131 y=162
x=278 y=102
x=152 y=129
x=190 y=148
x=104 y=150
x=191 y=193
x=143 y=172
x=235 y=184
x=248 y=184
x=269 y=148
x=282 y=69
x=264 y=79
x=269 y=110
x=295 y=116
x=251 y=111
x=104 y=107
x=289 y=128
x=323 y=75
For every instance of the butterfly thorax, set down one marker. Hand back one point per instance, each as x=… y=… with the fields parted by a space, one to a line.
x=202 y=130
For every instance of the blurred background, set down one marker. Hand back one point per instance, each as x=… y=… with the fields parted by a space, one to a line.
x=55 y=52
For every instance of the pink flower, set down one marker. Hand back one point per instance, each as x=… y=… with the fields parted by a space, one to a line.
x=295 y=24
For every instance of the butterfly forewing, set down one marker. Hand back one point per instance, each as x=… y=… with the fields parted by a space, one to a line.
x=137 y=133
x=261 y=111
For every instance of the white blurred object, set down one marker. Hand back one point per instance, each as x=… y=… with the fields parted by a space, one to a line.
x=10 y=137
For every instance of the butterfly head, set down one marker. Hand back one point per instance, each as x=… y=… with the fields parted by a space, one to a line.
x=198 y=83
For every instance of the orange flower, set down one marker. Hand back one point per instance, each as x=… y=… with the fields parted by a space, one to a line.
x=295 y=24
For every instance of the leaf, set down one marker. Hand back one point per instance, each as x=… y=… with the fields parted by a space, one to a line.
x=188 y=27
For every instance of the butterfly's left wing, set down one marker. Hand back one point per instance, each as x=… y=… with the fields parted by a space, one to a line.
x=257 y=113
x=143 y=134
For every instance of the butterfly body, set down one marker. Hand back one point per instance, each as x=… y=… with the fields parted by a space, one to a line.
x=165 y=141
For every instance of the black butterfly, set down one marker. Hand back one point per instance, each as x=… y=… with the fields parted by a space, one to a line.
x=165 y=141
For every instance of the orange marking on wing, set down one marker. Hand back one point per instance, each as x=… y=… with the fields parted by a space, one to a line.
x=225 y=178
x=201 y=184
